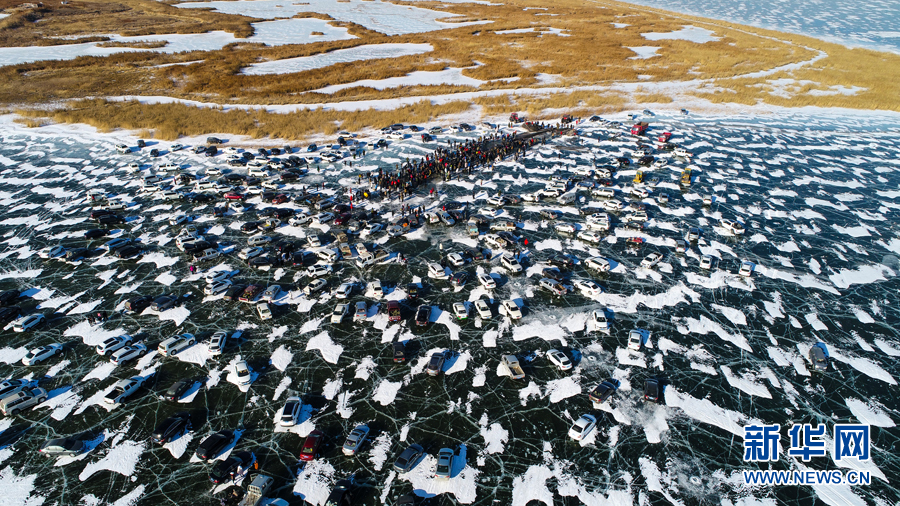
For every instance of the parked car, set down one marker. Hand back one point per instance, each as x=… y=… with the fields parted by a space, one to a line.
x=444 y=464
x=228 y=468
x=123 y=389
x=290 y=412
x=42 y=353
x=635 y=339
x=436 y=363
x=340 y=311
x=483 y=309
x=62 y=447
x=512 y=309
x=11 y=405
x=408 y=459
x=28 y=322
x=652 y=389
x=214 y=444
x=355 y=440
x=582 y=427
x=559 y=359
x=128 y=353
x=818 y=356
x=310 y=449
x=603 y=391
x=178 y=389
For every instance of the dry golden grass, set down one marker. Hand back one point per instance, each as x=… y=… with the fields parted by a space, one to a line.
x=593 y=54
x=655 y=98
x=170 y=121
x=137 y=44
x=32 y=122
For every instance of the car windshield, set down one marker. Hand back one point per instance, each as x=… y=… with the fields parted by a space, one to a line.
x=443 y=469
x=576 y=428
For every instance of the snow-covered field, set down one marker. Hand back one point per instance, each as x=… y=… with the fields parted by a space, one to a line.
x=817 y=191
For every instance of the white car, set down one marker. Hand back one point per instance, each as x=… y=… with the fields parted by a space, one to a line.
x=217 y=287
x=735 y=227
x=706 y=262
x=316 y=271
x=487 y=281
x=375 y=289
x=175 y=344
x=127 y=353
x=511 y=309
x=213 y=277
x=27 y=322
x=259 y=240
x=640 y=193
x=559 y=359
x=612 y=205
x=42 y=353
x=361 y=312
x=600 y=320
x=219 y=341
x=113 y=343
x=299 y=219
x=590 y=236
x=372 y=228
x=344 y=291
x=582 y=427
x=123 y=389
x=456 y=260
x=511 y=264
x=651 y=260
x=587 y=287
x=496 y=201
x=54 y=252
x=264 y=311
x=435 y=271
x=482 y=308
x=460 y=310
x=340 y=311
x=323 y=218
x=635 y=339
x=290 y=412
x=271 y=293
x=598 y=264
x=314 y=286
x=552 y=286
x=176 y=147
x=242 y=373
x=746 y=269
x=177 y=220
x=206 y=255
x=566 y=228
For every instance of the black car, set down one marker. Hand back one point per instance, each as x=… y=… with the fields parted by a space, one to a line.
x=8 y=314
x=261 y=261
x=561 y=261
x=198 y=246
x=77 y=254
x=283 y=212
x=285 y=247
x=341 y=208
x=163 y=303
x=312 y=148
x=213 y=140
x=250 y=226
x=211 y=151
x=212 y=446
x=138 y=304
x=381 y=143
x=604 y=390
x=236 y=162
x=427 y=137
x=289 y=176
x=303 y=258
x=472 y=254
x=553 y=273
x=96 y=233
x=246 y=155
x=178 y=390
x=412 y=291
x=201 y=197
x=341 y=140
x=128 y=251
x=8 y=297
x=141 y=143
x=154 y=152
x=252 y=181
x=287 y=149
x=623 y=161
x=652 y=389
x=96 y=213
x=263 y=151
x=646 y=160
x=226 y=469
x=423 y=313
x=460 y=278
x=408 y=500
x=233 y=178
x=340 y=494
x=399 y=351
x=234 y=292
x=110 y=219
x=171 y=428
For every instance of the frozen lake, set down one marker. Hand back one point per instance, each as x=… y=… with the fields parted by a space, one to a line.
x=817 y=193
x=869 y=24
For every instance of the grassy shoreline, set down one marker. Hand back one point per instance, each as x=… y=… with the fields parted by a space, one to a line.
x=593 y=54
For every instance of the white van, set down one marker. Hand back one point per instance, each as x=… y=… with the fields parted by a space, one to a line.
x=328 y=255
x=204 y=185
x=511 y=264
x=175 y=344
x=435 y=271
x=259 y=240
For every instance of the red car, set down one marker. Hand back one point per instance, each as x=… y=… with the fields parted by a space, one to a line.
x=250 y=293
x=311 y=446
x=664 y=137
x=280 y=199
x=233 y=196
x=343 y=219
x=393 y=309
